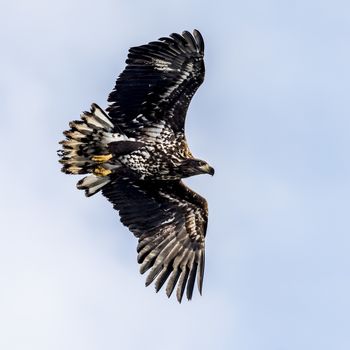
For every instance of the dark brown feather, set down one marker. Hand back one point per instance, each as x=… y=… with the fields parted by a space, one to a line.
x=171 y=242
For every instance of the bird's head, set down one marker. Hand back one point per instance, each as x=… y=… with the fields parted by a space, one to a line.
x=190 y=167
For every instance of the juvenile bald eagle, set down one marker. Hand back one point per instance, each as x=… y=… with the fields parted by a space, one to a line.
x=136 y=154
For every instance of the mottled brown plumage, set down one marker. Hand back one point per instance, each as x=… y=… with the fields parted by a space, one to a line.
x=137 y=154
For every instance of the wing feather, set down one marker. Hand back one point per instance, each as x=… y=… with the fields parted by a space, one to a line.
x=191 y=278
x=158 y=84
x=182 y=282
x=162 y=277
x=171 y=231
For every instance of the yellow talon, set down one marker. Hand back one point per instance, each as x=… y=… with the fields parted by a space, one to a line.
x=102 y=159
x=101 y=171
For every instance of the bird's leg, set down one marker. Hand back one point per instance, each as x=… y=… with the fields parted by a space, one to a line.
x=102 y=158
x=101 y=171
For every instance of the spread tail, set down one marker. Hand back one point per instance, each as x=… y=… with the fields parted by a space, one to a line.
x=85 y=149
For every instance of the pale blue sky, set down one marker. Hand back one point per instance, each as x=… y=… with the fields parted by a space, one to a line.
x=273 y=119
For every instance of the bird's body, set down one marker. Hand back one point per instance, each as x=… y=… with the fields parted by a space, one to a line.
x=136 y=154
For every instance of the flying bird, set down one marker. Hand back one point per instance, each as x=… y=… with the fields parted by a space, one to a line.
x=136 y=154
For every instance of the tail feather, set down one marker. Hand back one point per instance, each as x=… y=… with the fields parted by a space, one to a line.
x=98 y=118
x=85 y=139
x=92 y=184
x=81 y=127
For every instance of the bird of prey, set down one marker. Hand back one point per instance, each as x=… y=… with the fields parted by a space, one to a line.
x=136 y=154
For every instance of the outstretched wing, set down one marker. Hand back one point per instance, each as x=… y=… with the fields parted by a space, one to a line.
x=170 y=221
x=154 y=91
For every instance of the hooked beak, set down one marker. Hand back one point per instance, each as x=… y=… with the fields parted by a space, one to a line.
x=207 y=169
x=211 y=171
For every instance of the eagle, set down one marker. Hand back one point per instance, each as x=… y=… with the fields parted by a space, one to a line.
x=136 y=154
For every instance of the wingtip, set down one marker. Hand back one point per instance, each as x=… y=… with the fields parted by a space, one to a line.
x=179 y=298
x=189 y=297
x=199 y=39
x=185 y=31
x=200 y=291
